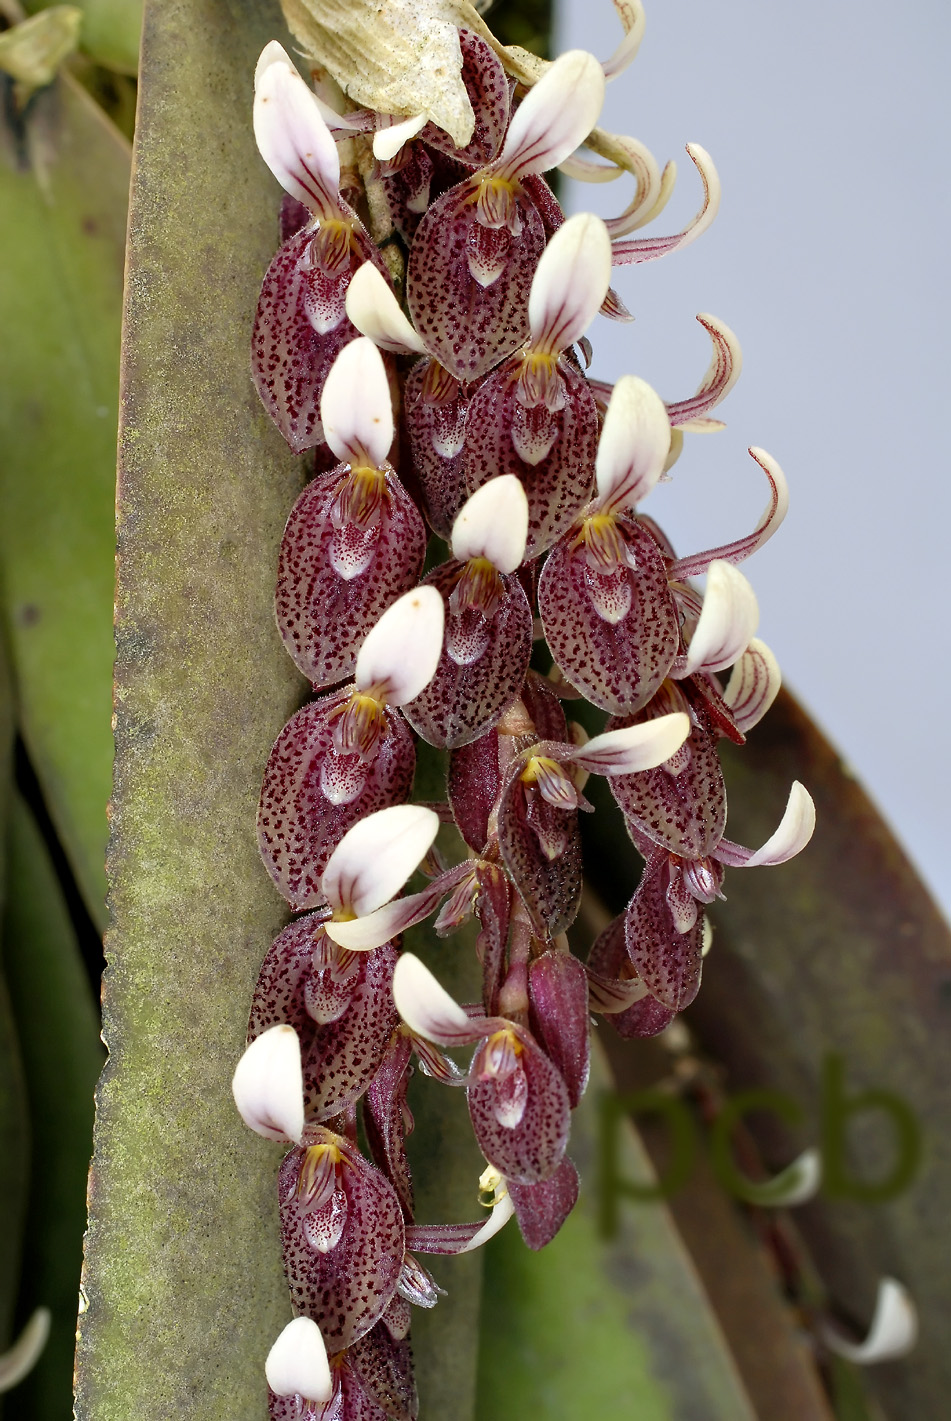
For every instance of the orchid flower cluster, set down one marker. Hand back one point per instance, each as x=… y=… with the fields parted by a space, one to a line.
x=471 y=415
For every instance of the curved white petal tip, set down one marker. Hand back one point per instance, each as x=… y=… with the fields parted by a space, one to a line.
x=753 y=685
x=22 y=1357
x=634 y=748
x=355 y=406
x=388 y=140
x=493 y=524
x=556 y=115
x=727 y=622
x=634 y=444
x=893 y=1333
x=375 y=858
x=374 y=310
x=400 y=654
x=297 y=1363
x=795 y=1184
x=794 y=832
x=425 y=1006
x=502 y=1211
x=291 y=134
x=268 y=1085
x=570 y=283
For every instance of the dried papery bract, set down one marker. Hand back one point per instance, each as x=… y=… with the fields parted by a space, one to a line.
x=471 y=409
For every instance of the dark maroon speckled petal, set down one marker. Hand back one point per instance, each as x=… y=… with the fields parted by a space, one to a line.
x=436 y=431
x=494 y=911
x=462 y=702
x=561 y=483
x=385 y=1119
x=558 y=992
x=322 y=616
x=609 y=956
x=469 y=327
x=617 y=665
x=346 y=1289
x=298 y=827
x=542 y=1208
x=533 y=1148
x=683 y=813
x=474 y=785
x=668 y=962
x=384 y=1368
x=544 y=708
x=489 y=91
x=550 y=888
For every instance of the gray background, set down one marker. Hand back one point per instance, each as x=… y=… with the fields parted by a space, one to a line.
x=828 y=127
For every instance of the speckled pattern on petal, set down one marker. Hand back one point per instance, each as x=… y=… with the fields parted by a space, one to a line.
x=550 y=888
x=668 y=962
x=384 y=1367
x=542 y=1208
x=345 y=1290
x=323 y=617
x=462 y=702
x=618 y=666
x=558 y=994
x=646 y=1017
x=436 y=436
x=474 y=784
x=684 y=813
x=469 y=327
x=490 y=93
x=298 y=827
x=532 y=1150
x=561 y=483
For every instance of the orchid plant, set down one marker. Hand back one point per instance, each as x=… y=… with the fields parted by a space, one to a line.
x=457 y=410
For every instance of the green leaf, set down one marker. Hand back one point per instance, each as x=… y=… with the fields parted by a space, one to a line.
x=64 y=174
x=617 y=1328
x=183 y=1274
x=58 y=1025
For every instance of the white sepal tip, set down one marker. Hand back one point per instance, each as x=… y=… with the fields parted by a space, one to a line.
x=727 y=622
x=570 y=283
x=893 y=1333
x=375 y=858
x=268 y=1085
x=794 y=832
x=388 y=140
x=502 y=1211
x=796 y=1184
x=399 y=656
x=635 y=747
x=425 y=1006
x=556 y=115
x=297 y=1363
x=374 y=310
x=20 y=1359
x=634 y=444
x=493 y=524
x=355 y=406
x=753 y=685
x=291 y=134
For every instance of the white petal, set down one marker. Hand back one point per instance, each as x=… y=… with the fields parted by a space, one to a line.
x=631 y=13
x=388 y=140
x=426 y=1007
x=355 y=406
x=737 y=551
x=722 y=374
x=493 y=524
x=374 y=310
x=795 y=830
x=268 y=1085
x=375 y=858
x=727 y=622
x=400 y=655
x=21 y=1358
x=894 y=1329
x=636 y=747
x=634 y=444
x=570 y=283
x=384 y=924
x=291 y=134
x=297 y=1363
x=753 y=685
x=556 y=115
x=795 y=1184
x=502 y=1211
